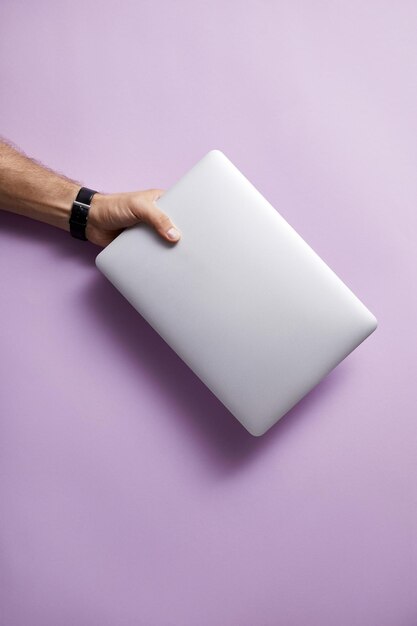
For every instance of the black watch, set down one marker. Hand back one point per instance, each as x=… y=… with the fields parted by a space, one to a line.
x=79 y=213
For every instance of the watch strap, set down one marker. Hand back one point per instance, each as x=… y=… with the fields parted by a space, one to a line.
x=79 y=213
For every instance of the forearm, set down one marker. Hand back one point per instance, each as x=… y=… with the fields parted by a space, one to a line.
x=34 y=190
x=31 y=189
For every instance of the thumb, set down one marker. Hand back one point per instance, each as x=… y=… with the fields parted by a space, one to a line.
x=160 y=221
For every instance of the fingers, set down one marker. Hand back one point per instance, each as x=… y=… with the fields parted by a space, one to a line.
x=159 y=220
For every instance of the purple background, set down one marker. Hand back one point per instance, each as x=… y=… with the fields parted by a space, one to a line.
x=129 y=495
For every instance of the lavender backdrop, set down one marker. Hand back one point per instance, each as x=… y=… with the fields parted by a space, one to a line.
x=129 y=495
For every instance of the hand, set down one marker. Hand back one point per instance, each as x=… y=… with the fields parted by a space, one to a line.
x=110 y=214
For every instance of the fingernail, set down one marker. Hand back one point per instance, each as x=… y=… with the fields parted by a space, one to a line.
x=173 y=233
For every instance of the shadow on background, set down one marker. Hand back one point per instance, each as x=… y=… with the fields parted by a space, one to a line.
x=224 y=442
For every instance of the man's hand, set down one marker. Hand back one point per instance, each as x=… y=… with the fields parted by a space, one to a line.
x=111 y=213
x=29 y=188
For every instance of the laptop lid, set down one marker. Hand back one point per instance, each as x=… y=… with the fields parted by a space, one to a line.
x=241 y=298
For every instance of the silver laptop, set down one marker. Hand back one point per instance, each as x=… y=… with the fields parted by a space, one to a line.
x=241 y=298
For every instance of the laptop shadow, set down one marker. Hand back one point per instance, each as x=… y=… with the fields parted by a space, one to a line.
x=225 y=444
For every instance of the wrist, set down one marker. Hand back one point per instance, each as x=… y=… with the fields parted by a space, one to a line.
x=97 y=206
x=61 y=210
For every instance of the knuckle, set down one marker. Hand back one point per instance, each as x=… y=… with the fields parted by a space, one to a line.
x=162 y=220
